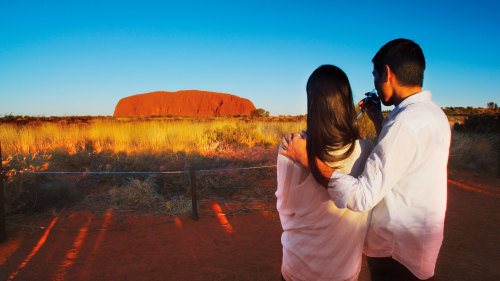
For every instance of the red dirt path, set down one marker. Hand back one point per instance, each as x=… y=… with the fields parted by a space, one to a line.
x=114 y=246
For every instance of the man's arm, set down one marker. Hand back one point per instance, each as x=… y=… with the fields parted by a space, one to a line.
x=294 y=147
x=374 y=112
x=387 y=163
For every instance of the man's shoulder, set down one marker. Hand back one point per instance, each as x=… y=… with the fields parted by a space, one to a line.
x=423 y=114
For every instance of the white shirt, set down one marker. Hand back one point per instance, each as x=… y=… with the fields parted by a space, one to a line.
x=320 y=241
x=404 y=181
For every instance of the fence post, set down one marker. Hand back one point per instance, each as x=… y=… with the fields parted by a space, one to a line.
x=496 y=129
x=3 y=235
x=498 y=151
x=194 y=199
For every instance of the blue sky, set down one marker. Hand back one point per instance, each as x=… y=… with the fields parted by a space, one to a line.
x=62 y=58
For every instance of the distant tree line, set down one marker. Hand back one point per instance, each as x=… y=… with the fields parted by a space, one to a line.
x=491 y=107
x=479 y=120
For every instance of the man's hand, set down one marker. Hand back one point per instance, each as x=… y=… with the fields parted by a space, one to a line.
x=374 y=112
x=294 y=146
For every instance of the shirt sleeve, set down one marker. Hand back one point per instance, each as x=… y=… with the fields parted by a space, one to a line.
x=386 y=165
x=290 y=177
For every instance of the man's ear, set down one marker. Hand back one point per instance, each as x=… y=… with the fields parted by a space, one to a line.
x=390 y=76
x=388 y=73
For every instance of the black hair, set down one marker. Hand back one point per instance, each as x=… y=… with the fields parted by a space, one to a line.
x=331 y=118
x=406 y=60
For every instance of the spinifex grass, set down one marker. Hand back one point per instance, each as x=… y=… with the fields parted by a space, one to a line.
x=476 y=153
x=156 y=136
x=163 y=144
x=157 y=144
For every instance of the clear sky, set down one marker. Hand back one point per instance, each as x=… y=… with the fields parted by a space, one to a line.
x=62 y=58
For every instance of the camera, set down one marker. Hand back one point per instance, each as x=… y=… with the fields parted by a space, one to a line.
x=370 y=97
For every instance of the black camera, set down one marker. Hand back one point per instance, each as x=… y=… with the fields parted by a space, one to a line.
x=370 y=97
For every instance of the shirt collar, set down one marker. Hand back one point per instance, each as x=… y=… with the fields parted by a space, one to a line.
x=415 y=98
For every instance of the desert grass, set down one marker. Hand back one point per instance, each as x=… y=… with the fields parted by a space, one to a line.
x=165 y=144
x=476 y=153
x=153 y=136
x=145 y=195
x=158 y=144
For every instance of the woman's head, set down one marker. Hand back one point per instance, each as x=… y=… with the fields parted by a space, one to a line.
x=331 y=117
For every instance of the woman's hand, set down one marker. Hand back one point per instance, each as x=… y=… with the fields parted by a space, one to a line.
x=294 y=147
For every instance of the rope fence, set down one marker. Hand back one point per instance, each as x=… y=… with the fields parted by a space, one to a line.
x=193 y=191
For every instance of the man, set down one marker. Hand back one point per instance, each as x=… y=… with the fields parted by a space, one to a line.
x=405 y=177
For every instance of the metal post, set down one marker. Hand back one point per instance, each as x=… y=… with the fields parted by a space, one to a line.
x=194 y=202
x=3 y=235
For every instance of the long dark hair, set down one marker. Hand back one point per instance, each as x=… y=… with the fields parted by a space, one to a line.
x=331 y=118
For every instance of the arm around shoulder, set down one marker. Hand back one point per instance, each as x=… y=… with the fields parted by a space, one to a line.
x=386 y=165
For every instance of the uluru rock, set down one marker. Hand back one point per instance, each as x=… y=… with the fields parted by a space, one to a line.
x=183 y=103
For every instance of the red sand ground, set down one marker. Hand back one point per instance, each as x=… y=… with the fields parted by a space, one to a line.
x=113 y=246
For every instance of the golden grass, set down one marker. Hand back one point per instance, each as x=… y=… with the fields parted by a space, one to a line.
x=165 y=144
x=68 y=145
x=157 y=144
x=140 y=195
x=154 y=136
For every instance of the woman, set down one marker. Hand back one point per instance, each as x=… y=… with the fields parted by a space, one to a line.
x=320 y=241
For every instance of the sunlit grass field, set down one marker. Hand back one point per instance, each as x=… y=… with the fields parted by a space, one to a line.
x=152 y=136
x=164 y=144
x=74 y=146
x=135 y=145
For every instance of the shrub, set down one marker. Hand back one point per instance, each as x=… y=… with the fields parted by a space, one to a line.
x=492 y=106
x=144 y=195
x=259 y=112
x=473 y=152
x=480 y=124
x=30 y=193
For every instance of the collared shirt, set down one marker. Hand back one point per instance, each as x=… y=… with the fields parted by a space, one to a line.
x=404 y=182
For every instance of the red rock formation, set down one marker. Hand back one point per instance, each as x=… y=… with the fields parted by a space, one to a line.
x=183 y=103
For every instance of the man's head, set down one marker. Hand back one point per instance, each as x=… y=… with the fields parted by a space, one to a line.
x=404 y=60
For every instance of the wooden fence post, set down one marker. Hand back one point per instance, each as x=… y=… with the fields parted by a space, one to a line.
x=3 y=235
x=498 y=153
x=497 y=131
x=194 y=199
